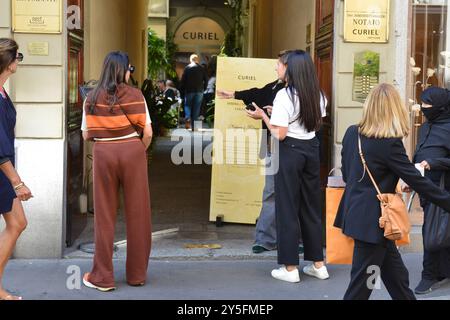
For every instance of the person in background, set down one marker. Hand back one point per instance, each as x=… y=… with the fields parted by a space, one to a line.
x=210 y=91
x=176 y=94
x=116 y=118
x=433 y=154
x=266 y=231
x=171 y=86
x=164 y=91
x=297 y=114
x=193 y=84
x=384 y=124
x=12 y=189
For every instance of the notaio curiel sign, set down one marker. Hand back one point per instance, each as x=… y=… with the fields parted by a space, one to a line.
x=366 y=21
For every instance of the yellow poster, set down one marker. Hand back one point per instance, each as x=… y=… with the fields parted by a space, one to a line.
x=238 y=172
x=37 y=16
x=366 y=21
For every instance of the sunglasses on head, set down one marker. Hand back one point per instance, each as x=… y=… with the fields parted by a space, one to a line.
x=19 y=57
x=131 y=69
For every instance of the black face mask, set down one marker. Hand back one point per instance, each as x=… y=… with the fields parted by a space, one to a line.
x=432 y=113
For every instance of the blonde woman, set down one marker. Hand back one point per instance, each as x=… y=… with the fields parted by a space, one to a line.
x=384 y=125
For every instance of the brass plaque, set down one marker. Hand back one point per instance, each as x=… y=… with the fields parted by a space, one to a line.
x=31 y=16
x=366 y=21
x=366 y=74
x=38 y=48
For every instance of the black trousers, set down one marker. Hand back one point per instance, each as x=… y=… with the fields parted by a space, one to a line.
x=436 y=265
x=372 y=260
x=297 y=201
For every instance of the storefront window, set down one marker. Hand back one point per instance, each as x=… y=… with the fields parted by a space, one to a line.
x=430 y=52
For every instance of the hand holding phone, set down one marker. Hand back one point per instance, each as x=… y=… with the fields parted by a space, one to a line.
x=250 y=107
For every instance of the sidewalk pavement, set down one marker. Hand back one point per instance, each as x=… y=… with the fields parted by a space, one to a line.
x=190 y=280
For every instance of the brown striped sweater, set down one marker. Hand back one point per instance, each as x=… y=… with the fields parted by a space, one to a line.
x=126 y=116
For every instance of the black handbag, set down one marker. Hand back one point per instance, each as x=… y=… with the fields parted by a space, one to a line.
x=436 y=228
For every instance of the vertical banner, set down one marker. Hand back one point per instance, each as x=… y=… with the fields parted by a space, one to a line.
x=237 y=171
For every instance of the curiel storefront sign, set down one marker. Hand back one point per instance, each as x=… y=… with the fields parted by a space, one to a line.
x=366 y=21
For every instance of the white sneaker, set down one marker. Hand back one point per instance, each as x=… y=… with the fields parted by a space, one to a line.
x=321 y=273
x=284 y=275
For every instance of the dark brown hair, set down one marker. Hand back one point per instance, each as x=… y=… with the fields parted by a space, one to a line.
x=8 y=53
x=283 y=55
x=303 y=86
x=113 y=74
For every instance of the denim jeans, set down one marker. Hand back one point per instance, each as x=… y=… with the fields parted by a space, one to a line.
x=192 y=105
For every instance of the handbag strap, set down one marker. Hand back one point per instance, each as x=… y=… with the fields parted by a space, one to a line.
x=334 y=169
x=366 y=168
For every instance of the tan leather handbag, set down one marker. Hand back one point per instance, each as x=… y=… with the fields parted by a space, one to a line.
x=394 y=214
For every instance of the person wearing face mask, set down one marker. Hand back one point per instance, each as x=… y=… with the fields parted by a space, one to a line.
x=116 y=118
x=433 y=153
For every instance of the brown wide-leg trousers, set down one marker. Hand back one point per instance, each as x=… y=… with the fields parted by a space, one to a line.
x=121 y=163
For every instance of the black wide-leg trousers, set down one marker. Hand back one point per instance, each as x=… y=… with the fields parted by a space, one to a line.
x=297 y=201
x=371 y=261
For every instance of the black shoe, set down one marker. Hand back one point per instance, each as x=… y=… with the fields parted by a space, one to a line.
x=258 y=249
x=426 y=286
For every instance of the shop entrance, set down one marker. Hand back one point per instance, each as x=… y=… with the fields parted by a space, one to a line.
x=180 y=195
x=105 y=26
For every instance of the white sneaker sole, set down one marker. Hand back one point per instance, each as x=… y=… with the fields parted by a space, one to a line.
x=286 y=280
x=311 y=274
x=92 y=286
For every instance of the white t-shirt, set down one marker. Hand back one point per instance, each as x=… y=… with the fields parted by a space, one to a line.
x=85 y=128
x=285 y=114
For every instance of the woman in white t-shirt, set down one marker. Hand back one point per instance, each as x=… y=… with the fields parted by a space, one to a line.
x=296 y=117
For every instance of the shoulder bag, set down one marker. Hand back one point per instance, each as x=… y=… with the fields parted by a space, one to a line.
x=394 y=214
x=436 y=228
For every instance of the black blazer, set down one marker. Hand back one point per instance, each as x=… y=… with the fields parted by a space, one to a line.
x=434 y=146
x=359 y=210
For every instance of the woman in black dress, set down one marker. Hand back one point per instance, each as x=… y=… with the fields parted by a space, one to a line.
x=12 y=189
x=433 y=153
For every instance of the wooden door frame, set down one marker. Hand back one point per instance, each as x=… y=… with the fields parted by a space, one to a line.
x=324 y=43
x=75 y=45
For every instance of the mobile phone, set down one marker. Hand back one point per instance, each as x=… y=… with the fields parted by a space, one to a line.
x=250 y=107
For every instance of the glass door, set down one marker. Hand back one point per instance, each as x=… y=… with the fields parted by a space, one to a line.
x=430 y=52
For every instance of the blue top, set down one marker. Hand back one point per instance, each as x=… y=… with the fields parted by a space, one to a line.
x=7 y=124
